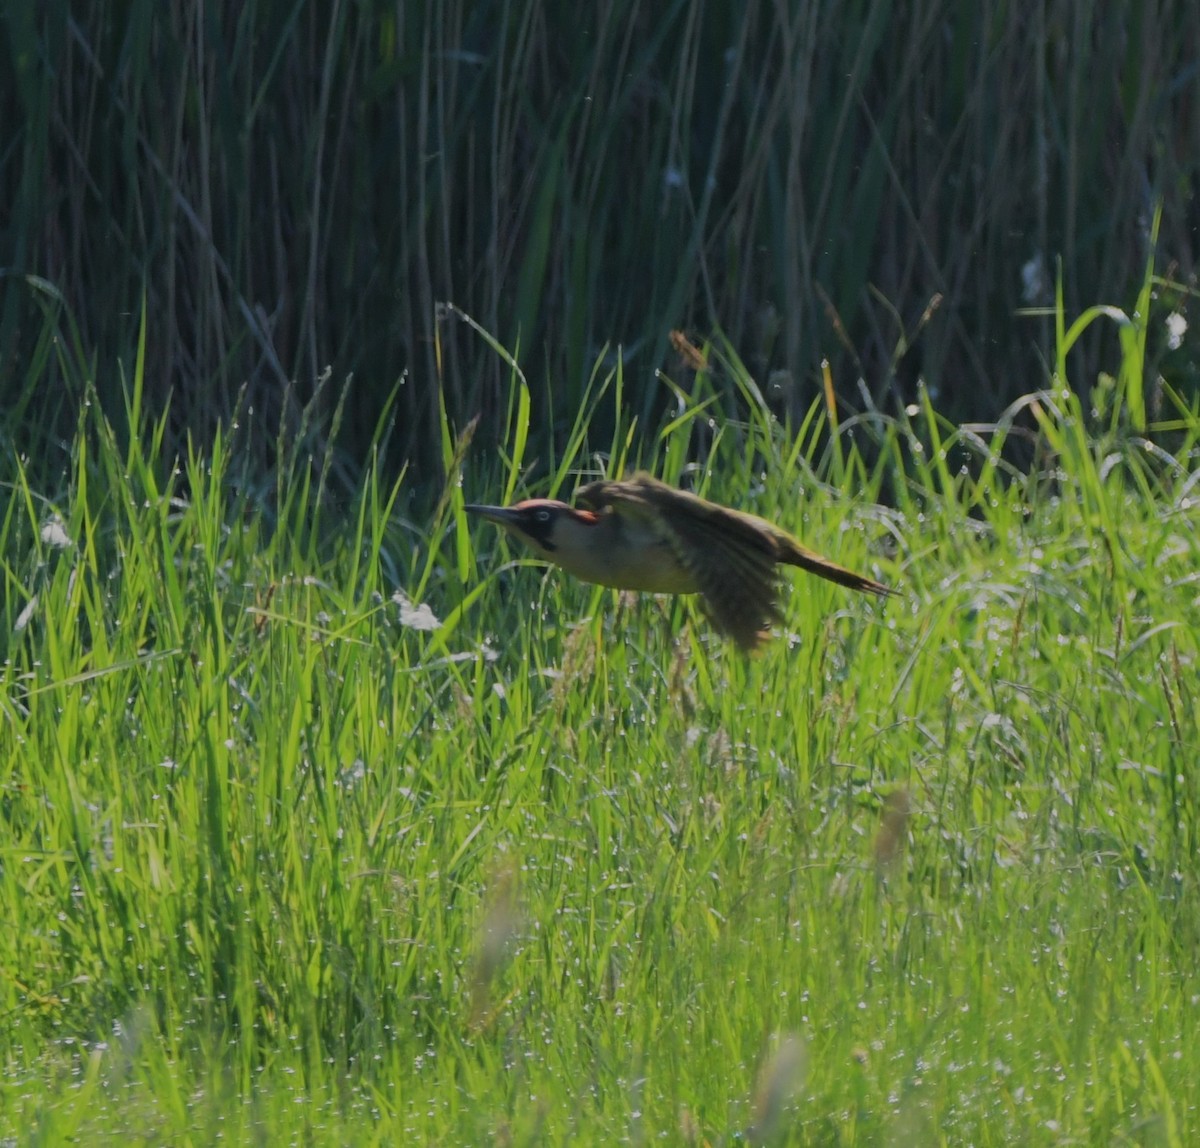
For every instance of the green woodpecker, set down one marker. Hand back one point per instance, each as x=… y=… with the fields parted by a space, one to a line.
x=640 y=534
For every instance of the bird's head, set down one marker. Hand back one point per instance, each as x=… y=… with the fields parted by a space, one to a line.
x=543 y=524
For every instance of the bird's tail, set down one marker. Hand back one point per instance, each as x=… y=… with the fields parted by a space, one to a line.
x=791 y=552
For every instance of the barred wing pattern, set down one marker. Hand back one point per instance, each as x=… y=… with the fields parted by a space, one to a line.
x=732 y=559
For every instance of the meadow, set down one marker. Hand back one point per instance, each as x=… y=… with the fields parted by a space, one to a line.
x=330 y=818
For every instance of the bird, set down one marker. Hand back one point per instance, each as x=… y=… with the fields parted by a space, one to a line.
x=641 y=534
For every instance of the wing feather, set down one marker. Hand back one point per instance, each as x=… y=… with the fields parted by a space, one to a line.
x=739 y=585
x=732 y=560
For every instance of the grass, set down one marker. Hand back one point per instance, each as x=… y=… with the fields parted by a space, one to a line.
x=283 y=866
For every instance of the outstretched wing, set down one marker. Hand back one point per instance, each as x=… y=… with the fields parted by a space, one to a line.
x=729 y=558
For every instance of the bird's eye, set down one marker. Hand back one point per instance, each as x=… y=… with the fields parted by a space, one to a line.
x=542 y=516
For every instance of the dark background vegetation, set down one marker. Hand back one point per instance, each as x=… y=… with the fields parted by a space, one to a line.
x=289 y=187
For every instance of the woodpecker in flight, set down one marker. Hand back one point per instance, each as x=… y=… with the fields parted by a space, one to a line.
x=641 y=534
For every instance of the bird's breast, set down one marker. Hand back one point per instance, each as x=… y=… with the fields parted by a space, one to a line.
x=629 y=555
